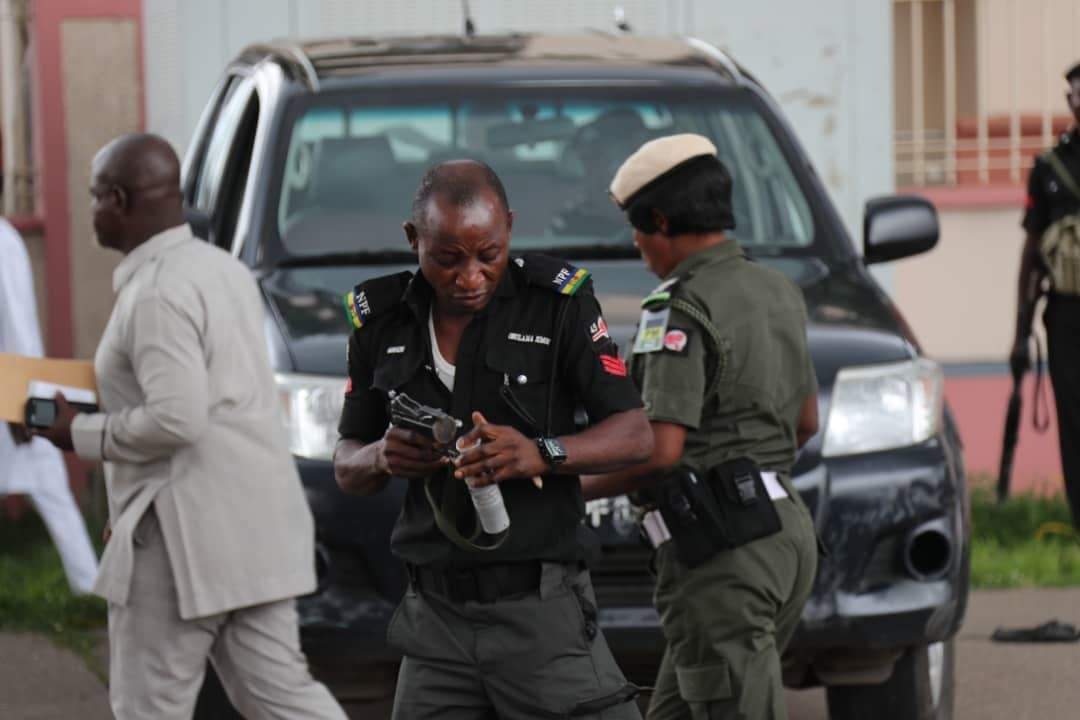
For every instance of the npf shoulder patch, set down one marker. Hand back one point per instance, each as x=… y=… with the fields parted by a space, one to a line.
x=554 y=274
x=375 y=296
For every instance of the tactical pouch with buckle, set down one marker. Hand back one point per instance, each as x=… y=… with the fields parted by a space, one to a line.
x=694 y=533
x=727 y=510
x=1059 y=245
x=747 y=513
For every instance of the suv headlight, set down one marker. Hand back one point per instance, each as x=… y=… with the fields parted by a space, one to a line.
x=312 y=408
x=879 y=407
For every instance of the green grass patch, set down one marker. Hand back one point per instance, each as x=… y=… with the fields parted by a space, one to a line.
x=34 y=593
x=1027 y=541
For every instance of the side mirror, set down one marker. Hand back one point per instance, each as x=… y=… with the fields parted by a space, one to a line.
x=199 y=222
x=898 y=226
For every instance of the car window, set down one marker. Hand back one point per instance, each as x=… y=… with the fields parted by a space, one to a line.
x=220 y=146
x=352 y=166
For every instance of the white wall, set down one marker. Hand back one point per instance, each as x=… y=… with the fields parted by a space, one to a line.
x=828 y=62
x=829 y=65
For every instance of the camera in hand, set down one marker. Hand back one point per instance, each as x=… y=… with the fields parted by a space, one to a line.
x=41 y=412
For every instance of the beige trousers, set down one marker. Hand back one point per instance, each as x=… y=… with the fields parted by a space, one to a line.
x=157 y=660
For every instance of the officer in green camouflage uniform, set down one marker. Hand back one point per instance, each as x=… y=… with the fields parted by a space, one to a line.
x=722 y=362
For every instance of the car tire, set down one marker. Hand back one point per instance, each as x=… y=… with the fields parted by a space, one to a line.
x=921 y=688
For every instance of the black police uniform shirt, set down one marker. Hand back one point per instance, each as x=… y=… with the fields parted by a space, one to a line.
x=1048 y=199
x=503 y=370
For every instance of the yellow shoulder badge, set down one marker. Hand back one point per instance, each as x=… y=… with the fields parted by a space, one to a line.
x=554 y=274
x=350 y=310
x=374 y=296
x=569 y=284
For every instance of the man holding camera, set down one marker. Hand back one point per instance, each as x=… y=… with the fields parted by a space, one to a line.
x=502 y=623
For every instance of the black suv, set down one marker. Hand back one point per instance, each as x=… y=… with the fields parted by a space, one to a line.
x=304 y=165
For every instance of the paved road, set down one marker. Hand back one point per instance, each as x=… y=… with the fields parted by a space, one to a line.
x=1010 y=682
x=39 y=681
x=1013 y=682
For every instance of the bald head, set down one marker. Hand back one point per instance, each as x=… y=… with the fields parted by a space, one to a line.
x=460 y=183
x=135 y=186
x=138 y=160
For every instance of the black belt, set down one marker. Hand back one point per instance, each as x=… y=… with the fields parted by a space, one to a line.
x=484 y=584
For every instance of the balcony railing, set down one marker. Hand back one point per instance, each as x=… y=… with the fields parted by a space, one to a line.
x=979 y=87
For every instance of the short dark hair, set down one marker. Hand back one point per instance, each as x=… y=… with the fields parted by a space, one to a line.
x=1073 y=73
x=695 y=197
x=460 y=182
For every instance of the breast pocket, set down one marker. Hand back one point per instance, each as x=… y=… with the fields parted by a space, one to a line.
x=525 y=369
x=392 y=373
x=397 y=360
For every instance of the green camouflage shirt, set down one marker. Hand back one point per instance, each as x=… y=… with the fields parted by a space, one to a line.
x=767 y=371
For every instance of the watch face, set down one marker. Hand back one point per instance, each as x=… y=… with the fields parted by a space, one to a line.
x=554 y=451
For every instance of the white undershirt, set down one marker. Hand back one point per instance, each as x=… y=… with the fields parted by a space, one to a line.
x=443 y=369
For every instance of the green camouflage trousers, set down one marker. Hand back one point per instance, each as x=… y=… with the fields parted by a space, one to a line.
x=728 y=621
x=539 y=655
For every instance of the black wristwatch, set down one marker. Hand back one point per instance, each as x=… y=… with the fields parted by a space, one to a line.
x=552 y=451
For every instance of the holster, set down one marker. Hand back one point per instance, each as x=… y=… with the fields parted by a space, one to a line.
x=727 y=509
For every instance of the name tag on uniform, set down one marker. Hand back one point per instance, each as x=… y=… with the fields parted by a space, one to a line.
x=651 y=330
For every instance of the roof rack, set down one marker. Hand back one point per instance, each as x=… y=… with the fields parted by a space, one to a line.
x=311 y=61
x=290 y=56
x=716 y=56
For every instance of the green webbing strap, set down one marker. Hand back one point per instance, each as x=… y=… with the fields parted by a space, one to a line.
x=1062 y=172
x=712 y=337
x=454 y=491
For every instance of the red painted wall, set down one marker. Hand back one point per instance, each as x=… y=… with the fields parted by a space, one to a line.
x=979 y=404
x=52 y=163
x=50 y=148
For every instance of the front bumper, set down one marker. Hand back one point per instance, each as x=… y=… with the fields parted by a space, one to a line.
x=866 y=606
x=864 y=596
x=864 y=603
x=360 y=582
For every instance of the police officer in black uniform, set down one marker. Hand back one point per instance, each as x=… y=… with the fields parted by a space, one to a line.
x=506 y=624
x=1053 y=197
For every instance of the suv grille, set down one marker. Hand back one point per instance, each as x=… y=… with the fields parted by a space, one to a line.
x=623 y=578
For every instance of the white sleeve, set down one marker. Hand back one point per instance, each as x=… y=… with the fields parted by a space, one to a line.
x=19 y=332
x=169 y=363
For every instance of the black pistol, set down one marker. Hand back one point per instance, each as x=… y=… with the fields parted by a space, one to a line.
x=432 y=422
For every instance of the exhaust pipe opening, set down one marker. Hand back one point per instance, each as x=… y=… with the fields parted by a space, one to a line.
x=928 y=552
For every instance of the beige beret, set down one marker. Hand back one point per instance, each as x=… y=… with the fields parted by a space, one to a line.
x=654 y=159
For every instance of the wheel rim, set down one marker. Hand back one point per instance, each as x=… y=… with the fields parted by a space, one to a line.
x=935 y=656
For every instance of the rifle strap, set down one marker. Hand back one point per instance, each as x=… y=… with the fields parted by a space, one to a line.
x=1062 y=172
x=1041 y=420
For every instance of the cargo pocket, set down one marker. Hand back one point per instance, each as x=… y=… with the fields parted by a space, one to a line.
x=707 y=689
x=394 y=637
x=593 y=708
x=588 y=613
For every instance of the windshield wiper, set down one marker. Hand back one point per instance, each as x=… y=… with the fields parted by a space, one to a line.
x=588 y=252
x=359 y=257
x=404 y=257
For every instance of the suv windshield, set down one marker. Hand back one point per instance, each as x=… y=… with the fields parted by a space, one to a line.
x=353 y=163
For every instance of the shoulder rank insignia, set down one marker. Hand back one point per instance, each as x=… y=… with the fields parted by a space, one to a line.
x=655 y=315
x=554 y=274
x=374 y=296
x=661 y=295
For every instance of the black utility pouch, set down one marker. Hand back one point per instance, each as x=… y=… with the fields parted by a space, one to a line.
x=746 y=511
x=692 y=524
